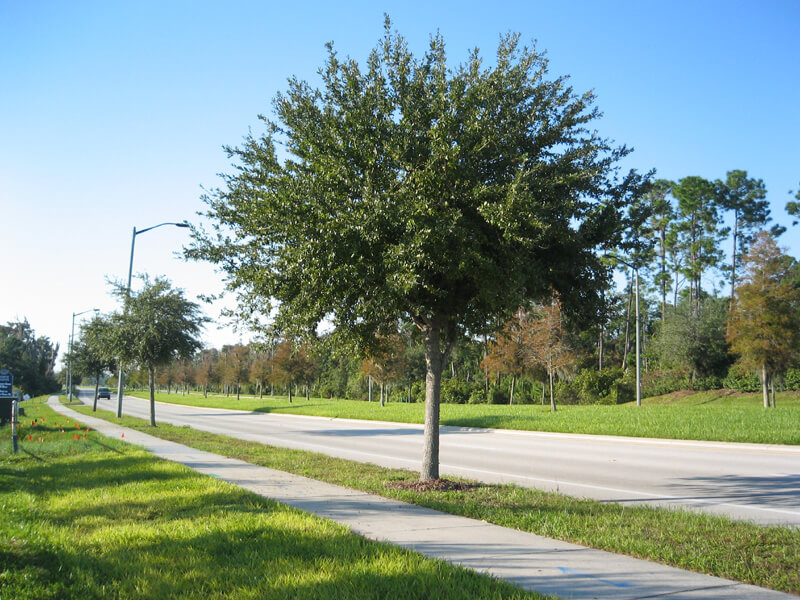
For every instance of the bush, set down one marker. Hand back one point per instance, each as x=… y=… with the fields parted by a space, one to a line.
x=657 y=383
x=792 y=379
x=457 y=391
x=497 y=396
x=478 y=396
x=741 y=380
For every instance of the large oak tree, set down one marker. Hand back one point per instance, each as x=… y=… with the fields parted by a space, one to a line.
x=407 y=189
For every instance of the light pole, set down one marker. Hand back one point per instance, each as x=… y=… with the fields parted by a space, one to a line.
x=127 y=296
x=71 y=336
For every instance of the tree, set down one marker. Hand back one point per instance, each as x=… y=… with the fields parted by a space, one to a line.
x=509 y=353
x=693 y=339
x=548 y=344
x=746 y=198
x=661 y=216
x=237 y=366
x=90 y=355
x=793 y=208
x=206 y=371
x=386 y=362
x=157 y=326
x=697 y=230
x=764 y=325
x=411 y=191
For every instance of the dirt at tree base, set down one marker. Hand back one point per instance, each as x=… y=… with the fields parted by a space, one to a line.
x=434 y=485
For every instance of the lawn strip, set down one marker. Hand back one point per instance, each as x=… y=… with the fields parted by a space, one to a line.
x=86 y=516
x=763 y=556
x=709 y=417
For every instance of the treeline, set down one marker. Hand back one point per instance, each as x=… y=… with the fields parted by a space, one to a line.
x=705 y=323
x=30 y=359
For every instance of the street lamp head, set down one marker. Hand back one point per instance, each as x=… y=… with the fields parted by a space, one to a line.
x=182 y=224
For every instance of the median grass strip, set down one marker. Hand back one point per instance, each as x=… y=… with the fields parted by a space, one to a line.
x=706 y=416
x=85 y=516
x=763 y=556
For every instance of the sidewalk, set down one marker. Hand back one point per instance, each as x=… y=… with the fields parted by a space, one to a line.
x=530 y=561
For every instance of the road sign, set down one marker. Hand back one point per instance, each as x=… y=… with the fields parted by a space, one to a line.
x=6 y=383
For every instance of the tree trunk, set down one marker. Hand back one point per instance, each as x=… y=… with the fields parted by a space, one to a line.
x=733 y=256
x=290 y=393
x=544 y=387
x=663 y=253
x=552 y=396
x=627 y=329
x=96 y=391
x=205 y=390
x=772 y=390
x=238 y=388
x=600 y=348
x=307 y=393
x=382 y=389
x=369 y=388
x=511 y=395
x=152 y=397
x=434 y=361
x=764 y=392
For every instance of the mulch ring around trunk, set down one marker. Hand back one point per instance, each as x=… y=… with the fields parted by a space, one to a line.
x=434 y=485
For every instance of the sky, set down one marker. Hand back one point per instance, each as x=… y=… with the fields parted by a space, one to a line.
x=113 y=115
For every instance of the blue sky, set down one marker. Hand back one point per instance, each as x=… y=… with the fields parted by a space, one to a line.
x=113 y=114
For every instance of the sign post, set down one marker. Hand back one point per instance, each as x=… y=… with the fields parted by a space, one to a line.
x=7 y=392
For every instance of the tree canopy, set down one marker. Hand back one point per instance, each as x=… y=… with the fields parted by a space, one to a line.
x=406 y=189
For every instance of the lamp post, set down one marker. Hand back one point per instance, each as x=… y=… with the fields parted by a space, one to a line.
x=71 y=336
x=128 y=294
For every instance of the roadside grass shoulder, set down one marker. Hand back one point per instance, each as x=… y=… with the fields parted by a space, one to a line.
x=707 y=416
x=763 y=556
x=85 y=516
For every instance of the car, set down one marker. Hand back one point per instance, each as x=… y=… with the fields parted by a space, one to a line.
x=104 y=393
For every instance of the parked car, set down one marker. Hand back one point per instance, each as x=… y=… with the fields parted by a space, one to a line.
x=104 y=393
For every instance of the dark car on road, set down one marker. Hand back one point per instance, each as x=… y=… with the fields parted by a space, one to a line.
x=104 y=393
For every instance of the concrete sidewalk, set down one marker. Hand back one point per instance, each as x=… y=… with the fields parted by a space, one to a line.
x=530 y=561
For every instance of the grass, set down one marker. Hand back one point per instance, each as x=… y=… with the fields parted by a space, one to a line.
x=763 y=556
x=84 y=516
x=703 y=416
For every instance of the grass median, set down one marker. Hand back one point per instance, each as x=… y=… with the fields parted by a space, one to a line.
x=763 y=556
x=712 y=416
x=85 y=516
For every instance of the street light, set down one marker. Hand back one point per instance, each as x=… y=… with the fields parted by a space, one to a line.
x=128 y=294
x=71 y=336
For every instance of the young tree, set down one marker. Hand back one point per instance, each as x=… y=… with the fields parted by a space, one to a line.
x=206 y=370
x=90 y=354
x=661 y=217
x=158 y=325
x=386 y=362
x=508 y=353
x=549 y=347
x=407 y=190
x=237 y=366
x=764 y=325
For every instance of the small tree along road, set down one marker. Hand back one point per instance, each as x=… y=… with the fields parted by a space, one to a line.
x=409 y=190
x=157 y=326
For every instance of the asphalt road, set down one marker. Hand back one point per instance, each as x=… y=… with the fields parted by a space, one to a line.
x=753 y=482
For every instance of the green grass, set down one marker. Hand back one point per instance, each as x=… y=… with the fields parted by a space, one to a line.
x=702 y=416
x=97 y=518
x=763 y=556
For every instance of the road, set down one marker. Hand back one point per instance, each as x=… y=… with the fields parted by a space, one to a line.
x=755 y=482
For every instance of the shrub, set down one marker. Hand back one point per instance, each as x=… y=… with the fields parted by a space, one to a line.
x=792 y=379
x=657 y=383
x=741 y=380
x=478 y=396
x=497 y=396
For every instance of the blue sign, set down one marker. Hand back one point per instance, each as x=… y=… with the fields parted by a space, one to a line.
x=6 y=384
